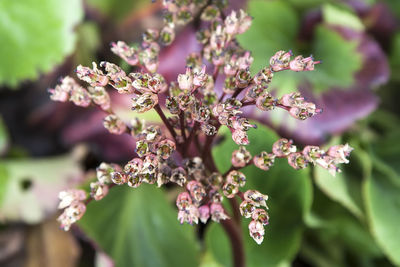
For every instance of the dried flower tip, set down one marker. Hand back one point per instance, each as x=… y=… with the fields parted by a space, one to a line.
x=103 y=172
x=71 y=214
x=280 y=60
x=283 y=147
x=144 y=102
x=127 y=53
x=257 y=197
x=266 y=101
x=261 y=216
x=69 y=196
x=114 y=125
x=217 y=212
x=297 y=160
x=257 y=231
x=302 y=64
x=230 y=189
x=264 y=160
x=204 y=213
x=247 y=208
x=236 y=177
x=118 y=178
x=340 y=153
x=98 y=190
x=179 y=176
x=165 y=148
x=240 y=157
x=94 y=76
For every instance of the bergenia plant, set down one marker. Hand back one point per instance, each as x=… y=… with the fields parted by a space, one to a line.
x=179 y=151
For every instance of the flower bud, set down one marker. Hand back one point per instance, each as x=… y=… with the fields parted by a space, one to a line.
x=179 y=176
x=264 y=76
x=69 y=196
x=80 y=96
x=302 y=64
x=261 y=216
x=100 y=97
x=264 y=160
x=247 y=208
x=94 y=77
x=257 y=231
x=164 y=174
x=257 y=197
x=340 y=153
x=215 y=179
x=172 y=105
x=230 y=189
x=217 y=212
x=208 y=129
x=144 y=102
x=183 y=201
x=129 y=54
x=118 y=178
x=185 y=81
x=280 y=60
x=71 y=214
x=137 y=126
x=236 y=177
x=98 y=190
x=165 y=148
x=114 y=125
x=266 y=101
x=240 y=157
x=190 y=215
x=312 y=153
x=103 y=172
x=240 y=137
x=297 y=160
x=204 y=212
x=196 y=190
x=210 y=13
x=148 y=173
x=283 y=147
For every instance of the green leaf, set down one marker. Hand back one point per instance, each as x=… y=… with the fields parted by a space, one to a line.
x=290 y=194
x=4 y=138
x=32 y=186
x=275 y=27
x=35 y=36
x=345 y=187
x=138 y=227
x=118 y=9
x=340 y=60
x=335 y=235
x=381 y=193
x=334 y=15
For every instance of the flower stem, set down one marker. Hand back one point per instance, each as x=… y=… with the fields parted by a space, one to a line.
x=165 y=121
x=235 y=235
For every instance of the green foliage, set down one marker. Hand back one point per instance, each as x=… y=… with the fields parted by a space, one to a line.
x=35 y=35
x=275 y=27
x=334 y=15
x=117 y=9
x=290 y=193
x=138 y=227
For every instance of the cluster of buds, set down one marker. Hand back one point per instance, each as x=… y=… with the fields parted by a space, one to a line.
x=254 y=206
x=179 y=152
x=72 y=202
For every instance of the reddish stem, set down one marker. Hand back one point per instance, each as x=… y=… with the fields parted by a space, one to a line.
x=235 y=235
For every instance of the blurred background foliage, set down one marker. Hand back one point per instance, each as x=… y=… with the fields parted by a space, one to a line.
x=316 y=220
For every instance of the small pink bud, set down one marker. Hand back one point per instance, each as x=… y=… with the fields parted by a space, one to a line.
x=283 y=147
x=204 y=212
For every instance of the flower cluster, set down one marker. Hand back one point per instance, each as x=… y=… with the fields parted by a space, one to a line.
x=179 y=151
